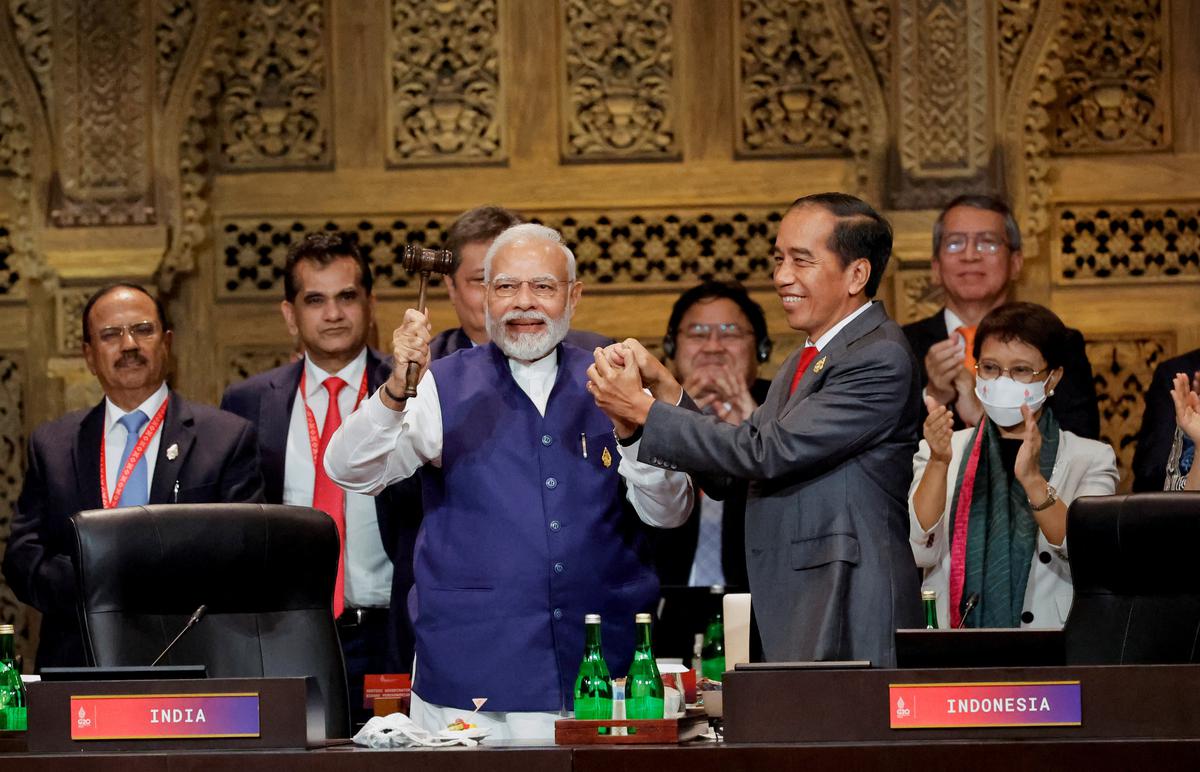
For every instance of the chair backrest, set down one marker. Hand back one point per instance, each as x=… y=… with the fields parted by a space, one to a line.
x=1137 y=590
x=266 y=573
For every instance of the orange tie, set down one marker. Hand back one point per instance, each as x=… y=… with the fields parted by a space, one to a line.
x=806 y=358
x=968 y=334
x=327 y=497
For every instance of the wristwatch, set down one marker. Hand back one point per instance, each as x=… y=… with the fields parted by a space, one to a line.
x=1051 y=497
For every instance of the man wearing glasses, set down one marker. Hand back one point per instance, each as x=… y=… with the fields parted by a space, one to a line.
x=976 y=259
x=143 y=444
x=531 y=506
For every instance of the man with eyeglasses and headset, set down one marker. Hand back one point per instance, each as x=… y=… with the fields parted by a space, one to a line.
x=976 y=259
x=143 y=444
x=531 y=505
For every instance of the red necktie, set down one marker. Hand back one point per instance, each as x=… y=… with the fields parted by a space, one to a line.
x=327 y=497
x=806 y=358
x=968 y=334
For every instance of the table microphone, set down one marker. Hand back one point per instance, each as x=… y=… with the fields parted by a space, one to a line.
x=197 y=615
x=968 y=607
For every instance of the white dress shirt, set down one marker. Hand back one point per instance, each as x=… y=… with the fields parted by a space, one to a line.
x=823 y=341
x=378 y=446
x=115 y=435
x=367 y=568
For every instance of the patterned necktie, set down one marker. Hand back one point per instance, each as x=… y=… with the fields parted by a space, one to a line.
x=706 y=565
x=968 y=334
x=806 y=358
x=327 y=497
x=137 y=486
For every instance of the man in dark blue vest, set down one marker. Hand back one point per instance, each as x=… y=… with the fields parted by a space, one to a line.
x=531 y=506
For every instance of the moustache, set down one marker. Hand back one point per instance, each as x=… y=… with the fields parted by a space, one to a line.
x=525 y=316
x=130 y=359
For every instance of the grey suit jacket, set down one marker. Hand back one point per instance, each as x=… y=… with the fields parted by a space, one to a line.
x=830 y=568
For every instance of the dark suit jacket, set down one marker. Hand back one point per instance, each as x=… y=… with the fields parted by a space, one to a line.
x=1158 y=423
x=1074 y=401
x=217 y=462
x=830 y=567
x=675 y=548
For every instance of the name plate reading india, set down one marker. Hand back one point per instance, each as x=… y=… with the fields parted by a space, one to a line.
x=163 y=716
x=953 y=706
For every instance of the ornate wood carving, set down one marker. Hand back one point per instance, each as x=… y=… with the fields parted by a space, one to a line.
x=103 y=114
x=1114 y=92
x=620 y=95
x=68 y=318
x=873 y=18
x=796 y=92
x=1014 y=22
x=1122 y=366
x=241 y=362
x=916 y=295
x=612 y=248
x=12 y=475
x=31 y=26
x=944 y=132
x=174 y=21
x=17 y=260
x=446 y=104
x=1143 y=243
x=274 y=108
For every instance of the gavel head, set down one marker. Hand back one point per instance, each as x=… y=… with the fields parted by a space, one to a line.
x=422 y=260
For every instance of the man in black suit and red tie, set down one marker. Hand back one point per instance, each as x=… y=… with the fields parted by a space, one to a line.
x=143 y=444
x=329 y=307
x=976 y=259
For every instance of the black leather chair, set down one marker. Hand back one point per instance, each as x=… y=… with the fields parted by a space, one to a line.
x=1137 y=587
x=266 y=573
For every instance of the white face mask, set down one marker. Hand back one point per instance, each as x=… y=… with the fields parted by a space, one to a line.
x=1002 y=398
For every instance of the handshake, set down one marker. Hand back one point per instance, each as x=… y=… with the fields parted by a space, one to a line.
x=625 y=380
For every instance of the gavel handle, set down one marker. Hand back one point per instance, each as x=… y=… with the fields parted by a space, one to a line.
x=413 y=374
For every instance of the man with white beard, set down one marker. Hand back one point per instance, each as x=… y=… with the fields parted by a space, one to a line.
x=530 y=502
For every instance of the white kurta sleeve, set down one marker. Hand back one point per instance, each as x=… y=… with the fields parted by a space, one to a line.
x=662 y=499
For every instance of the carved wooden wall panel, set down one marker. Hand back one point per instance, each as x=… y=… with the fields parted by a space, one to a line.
x=174 y=22
x=446 y=97
x=1122 y=366
x=12 y=473
x=620 y=98
x=915 y=295
x=1142 y=243
x=68 y=306
x=274 y=110
x=642 y=248
x=873 y=18
x=1114 y=92
x=1014 y=23
x=16 y=240
x=241 y=362
x=30 y=20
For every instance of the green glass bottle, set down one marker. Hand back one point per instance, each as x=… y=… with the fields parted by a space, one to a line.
x=929 y=601
x=593 y=686
x=13 y=716
x=712 y=656
x=644 y=686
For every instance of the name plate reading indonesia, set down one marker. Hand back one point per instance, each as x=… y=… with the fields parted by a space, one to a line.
x=163 y=716
x=953 y=706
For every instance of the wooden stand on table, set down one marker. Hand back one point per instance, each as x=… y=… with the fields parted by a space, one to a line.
x=570 y=731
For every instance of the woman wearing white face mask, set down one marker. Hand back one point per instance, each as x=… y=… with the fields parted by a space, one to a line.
x=988 y=505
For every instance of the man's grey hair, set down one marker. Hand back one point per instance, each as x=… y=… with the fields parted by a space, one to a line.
x=1012 y=233
x=528 y=231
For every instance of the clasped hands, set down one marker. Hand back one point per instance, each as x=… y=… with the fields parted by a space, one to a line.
x=618 y=381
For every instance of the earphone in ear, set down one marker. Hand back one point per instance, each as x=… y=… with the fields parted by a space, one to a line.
x=669 y=344
x=763 y=351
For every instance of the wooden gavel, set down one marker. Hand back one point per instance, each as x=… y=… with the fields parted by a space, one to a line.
x=424 y=262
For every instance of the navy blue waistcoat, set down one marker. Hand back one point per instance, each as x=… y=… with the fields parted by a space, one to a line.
x=522 y=537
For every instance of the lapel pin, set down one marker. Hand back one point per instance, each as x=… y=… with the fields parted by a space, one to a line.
x=606 y=458
x=173 y=452
x=820 y=365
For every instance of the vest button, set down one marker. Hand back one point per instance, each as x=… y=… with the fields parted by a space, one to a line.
x=551 y=483
x=559 y=568
x=1027 y=617
x=558 y=613
x=547 y=439
x=1044 y=557
x=555 y=525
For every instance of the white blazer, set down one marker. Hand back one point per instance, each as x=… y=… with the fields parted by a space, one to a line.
x=1082 y=468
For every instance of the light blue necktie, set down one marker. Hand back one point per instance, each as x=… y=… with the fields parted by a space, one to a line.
x=706 y=566
x=137 y=487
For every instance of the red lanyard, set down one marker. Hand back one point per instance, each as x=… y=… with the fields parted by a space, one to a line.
x=138 y=451
x=314 y=437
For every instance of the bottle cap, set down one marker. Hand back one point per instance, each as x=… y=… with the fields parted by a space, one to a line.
x=642 y=619
x=928 y=594
x=8 y=630
x=591 y=619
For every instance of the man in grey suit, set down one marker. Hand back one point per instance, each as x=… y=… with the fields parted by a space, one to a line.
x=828 y=455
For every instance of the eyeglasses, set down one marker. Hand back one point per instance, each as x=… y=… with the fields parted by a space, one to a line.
x=726 y=332
x=985 y=243
x=542 y=288
x=990 y=371
x=140 y=331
